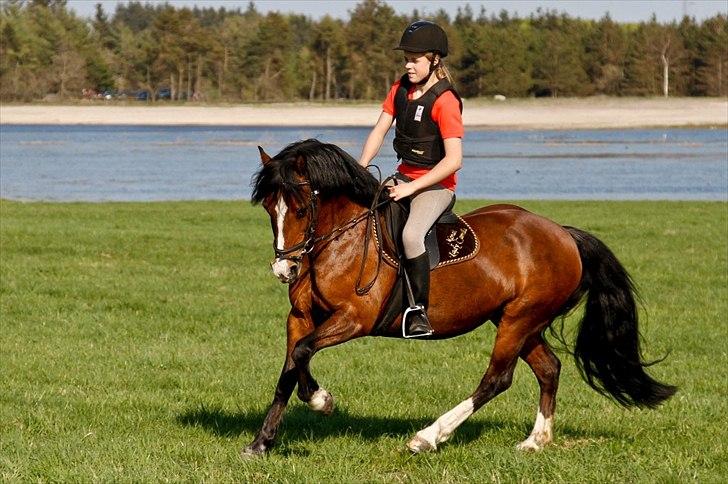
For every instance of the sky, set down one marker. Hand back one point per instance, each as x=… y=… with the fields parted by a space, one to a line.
x=619 y=10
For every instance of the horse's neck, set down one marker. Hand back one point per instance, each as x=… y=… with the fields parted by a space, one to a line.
x=336 y=265
x=342 y=223
x=335 y=212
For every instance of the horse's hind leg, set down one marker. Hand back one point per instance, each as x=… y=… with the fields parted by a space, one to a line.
x=546 y=366
x=497 y=379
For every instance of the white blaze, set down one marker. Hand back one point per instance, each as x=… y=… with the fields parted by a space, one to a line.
x=280 y=267
x=281 y=209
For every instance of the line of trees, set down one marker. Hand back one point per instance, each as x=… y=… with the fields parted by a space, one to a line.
x=243 y=55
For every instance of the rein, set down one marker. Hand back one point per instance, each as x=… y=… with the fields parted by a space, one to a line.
x=306 y=246
x=372 y=216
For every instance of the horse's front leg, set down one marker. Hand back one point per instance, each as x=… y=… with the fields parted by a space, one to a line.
x=266 y=435
x=298 y=325
x=335 y=330
x=309 y=392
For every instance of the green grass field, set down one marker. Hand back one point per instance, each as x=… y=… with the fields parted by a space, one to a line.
x=142 y=342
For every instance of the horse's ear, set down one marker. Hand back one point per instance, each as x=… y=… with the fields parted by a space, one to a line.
x=264 y=158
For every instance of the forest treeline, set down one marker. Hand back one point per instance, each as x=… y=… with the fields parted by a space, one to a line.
x=152 y=51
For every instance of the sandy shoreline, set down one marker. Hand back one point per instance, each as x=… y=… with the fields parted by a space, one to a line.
x=517 y=114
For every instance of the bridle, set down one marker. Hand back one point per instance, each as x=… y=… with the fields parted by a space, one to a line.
x=310 y=240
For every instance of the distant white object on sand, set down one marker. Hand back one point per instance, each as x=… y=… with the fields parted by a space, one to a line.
x=499 y=97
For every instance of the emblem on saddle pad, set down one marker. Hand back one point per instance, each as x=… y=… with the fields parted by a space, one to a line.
x=456 y=239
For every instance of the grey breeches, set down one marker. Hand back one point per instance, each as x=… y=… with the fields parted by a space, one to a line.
x=426 y=206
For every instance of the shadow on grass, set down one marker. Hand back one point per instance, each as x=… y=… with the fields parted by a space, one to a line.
x=300 y=423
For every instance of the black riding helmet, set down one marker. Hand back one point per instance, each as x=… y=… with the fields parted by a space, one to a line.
x=424 y=36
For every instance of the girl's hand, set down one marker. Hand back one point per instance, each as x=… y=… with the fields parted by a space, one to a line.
x=403 y=190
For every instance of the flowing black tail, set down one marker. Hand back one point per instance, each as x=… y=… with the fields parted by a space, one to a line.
x=607 y=350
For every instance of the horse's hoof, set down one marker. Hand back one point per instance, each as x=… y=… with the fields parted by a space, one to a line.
x=418 y=445
x=529 y=445
x=322 y=402
x=253 y=451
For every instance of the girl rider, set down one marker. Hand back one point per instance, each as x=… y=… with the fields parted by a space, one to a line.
x=428 y=142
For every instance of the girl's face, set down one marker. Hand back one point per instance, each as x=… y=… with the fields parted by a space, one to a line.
x=417 y=65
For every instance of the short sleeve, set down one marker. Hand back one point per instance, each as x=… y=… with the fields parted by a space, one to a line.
x=388 y=104
x=446 y=113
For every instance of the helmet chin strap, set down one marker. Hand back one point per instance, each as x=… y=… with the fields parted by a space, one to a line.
x=424 y=80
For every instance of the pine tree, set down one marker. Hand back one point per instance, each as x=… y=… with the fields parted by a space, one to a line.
x=506 y=65
x=606 y=52
x=208 y=53
x=328 y=46
x=558 y=57
x=712 y=66
x=373 y=31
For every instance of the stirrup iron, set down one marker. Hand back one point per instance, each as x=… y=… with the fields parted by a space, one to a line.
x=417 y=308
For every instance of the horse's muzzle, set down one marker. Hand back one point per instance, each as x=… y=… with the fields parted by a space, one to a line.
x=285 y=270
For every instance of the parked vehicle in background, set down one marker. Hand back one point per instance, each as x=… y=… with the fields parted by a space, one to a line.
x=138 y=95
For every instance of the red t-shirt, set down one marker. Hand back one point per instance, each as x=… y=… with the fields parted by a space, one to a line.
x=446 y=114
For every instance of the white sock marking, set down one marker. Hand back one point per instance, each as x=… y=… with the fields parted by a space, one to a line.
x=542 y=425
x=319 y=400
x=540 y=435
x=444 y=426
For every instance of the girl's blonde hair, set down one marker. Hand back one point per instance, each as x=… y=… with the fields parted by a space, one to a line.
x=441 y=70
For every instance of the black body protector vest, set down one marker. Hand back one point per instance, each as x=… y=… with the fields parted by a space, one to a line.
x=418 y=141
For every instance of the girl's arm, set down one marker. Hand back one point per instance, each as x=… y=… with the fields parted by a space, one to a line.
x=376 y=138
x=451 y=163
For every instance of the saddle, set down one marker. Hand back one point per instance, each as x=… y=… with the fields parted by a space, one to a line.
x=449 y=241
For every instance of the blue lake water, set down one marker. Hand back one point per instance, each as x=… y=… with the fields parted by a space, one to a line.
x=142 y=163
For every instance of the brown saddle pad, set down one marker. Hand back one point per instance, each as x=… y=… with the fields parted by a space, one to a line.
x=447 y=242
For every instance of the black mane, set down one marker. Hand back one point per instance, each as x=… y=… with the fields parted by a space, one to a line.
x=328 y=168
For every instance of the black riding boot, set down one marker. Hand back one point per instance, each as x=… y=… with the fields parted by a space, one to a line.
x=418 y=272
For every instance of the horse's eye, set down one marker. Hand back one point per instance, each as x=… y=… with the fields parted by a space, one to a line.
x=300 y=212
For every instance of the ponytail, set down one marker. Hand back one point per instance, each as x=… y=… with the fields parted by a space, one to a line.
x=441 y=71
